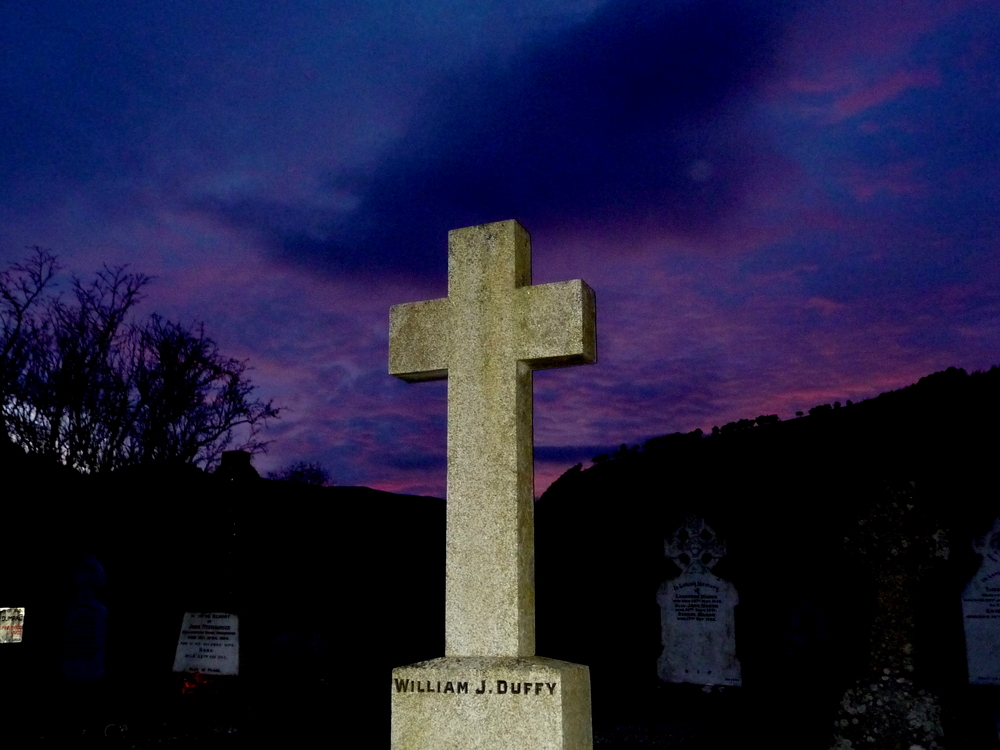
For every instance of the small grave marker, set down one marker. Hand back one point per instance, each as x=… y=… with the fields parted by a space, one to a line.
x=11 y=624
x=209 y=643
x=697 y=612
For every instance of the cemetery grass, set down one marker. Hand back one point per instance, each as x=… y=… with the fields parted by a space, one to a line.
x=135 y=717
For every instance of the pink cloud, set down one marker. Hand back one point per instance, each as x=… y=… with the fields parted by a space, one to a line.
x=892 y=179
x=882 y=91
x=825 y=306
x=830 y=37
x=855 y=52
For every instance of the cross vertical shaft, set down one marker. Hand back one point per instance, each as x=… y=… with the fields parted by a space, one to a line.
x=490 y=521
x=486 y=337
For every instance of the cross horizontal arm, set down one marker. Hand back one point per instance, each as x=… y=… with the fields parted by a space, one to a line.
x=559 y=324
x=420 y=340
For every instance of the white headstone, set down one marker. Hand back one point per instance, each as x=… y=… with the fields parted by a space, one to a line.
x=209 y=643
x=490 y=691
x=697 y=612
x=11 y=624
x=981 y=612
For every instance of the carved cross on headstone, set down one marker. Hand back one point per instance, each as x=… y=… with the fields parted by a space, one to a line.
x=486 y=337
x=697 y=612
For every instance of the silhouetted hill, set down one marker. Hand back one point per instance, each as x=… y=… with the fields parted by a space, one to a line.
x=787 y=496
x=949 y=417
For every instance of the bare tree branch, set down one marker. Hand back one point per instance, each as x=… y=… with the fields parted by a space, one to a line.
x=81 y=382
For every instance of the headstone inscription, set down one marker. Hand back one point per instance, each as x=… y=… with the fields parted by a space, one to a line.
x=490 y=691
x=209 y=643
x=11 y=624
x=697 y=612
x=981 y=612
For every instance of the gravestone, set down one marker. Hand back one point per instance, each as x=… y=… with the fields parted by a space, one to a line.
x=209 y=643
x=697 y=612
x=494 y=328
x=981 y=612
x=898 y=543
x=86 y=631
x=11 y=624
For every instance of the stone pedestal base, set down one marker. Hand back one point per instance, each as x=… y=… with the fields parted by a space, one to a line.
x=480 y=703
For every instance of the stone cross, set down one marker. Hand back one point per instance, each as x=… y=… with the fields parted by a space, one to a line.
x=486 y=337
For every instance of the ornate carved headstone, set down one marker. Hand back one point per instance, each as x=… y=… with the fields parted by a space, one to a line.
x=490 y=691
x=981 y=612
x=697 y=612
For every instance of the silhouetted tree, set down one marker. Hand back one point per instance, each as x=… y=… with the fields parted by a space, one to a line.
x=738 y=426
x=307 y=472
x=674 y=440
x=624 y=451
x=74 y=397
x=189 y=397
x=81 y=383
x=21 y=289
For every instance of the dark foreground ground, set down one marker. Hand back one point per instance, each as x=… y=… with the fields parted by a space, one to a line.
x=304 y=715
x=117 y=717
x=313 y=713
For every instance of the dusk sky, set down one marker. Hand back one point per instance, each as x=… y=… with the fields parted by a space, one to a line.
x=778 y=204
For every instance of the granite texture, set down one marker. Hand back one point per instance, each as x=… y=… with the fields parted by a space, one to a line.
x=478 y=703
x=486 y=337
x=899 y=543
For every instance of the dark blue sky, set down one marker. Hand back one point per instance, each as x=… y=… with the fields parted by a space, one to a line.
x=778 y=204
